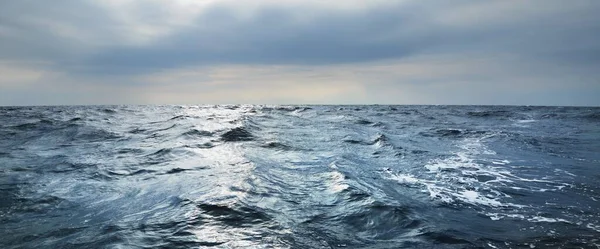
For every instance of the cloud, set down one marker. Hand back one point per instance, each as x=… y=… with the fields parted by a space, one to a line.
x=138 y=36
x=370 y=51
x=427 y=79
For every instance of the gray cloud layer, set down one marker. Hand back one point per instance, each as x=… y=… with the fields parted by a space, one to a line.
x=90 y=40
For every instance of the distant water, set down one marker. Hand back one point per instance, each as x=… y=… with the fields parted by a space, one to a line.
x=299 y=177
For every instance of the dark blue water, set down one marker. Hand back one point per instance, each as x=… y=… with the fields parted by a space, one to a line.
x=299 y=177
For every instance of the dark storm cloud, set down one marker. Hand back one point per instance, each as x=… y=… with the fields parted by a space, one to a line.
x=281 y=34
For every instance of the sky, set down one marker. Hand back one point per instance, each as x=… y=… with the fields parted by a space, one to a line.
x=463 y=52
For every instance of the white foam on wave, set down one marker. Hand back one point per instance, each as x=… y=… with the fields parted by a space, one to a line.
x=523 y=121
x=448 y=195
x=474 y=179
x=534 y=218
x=593 y=227
x=502 y=162
x=466 y=178
x=470 y=195
x=546 y=219
x=474 y=175
x=404 y=178
x=460 y=160
x=492 y=246
x=499 y=216
x=336 y=183
x=564 y=172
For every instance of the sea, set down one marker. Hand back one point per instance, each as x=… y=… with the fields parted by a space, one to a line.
x=268 y=176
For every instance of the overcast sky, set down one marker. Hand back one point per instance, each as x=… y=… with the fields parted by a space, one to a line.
x=544 y=52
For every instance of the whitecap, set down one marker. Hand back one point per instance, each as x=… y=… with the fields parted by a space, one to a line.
x=546 y=219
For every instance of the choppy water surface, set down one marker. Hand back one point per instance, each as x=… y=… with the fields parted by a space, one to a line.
x=299 y=177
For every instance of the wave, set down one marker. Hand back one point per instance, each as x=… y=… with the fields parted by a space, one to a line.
x=380 y=141
x=447 y=237
x=592 y=116
x=237 y=134
x=278 y=146
x=238 y=216
x=363 y=122
x=34 y=125
x=108 y=110
x=241 y=176
x=197 y=133
x=491 y=114
x=452 y=133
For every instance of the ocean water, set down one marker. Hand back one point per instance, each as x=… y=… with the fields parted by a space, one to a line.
x=243 y=176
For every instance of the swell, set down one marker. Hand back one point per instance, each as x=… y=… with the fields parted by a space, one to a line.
x=491 y=114
x=64 y=132
x=237 y=134
x=298 y=177
x=232 y=216
x=452 y=133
